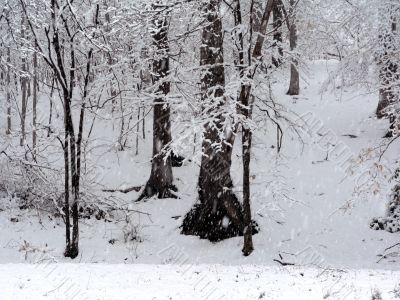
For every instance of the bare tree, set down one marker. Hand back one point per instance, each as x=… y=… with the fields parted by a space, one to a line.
x=62 y=59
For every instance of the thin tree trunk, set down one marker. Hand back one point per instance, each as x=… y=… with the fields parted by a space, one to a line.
x=246 y=133
x=74 y=250
x=246 y=152
x=246 y=111
x=294 y=86
x=8 y=130
x=24 y=89
x=66 y=77
x=143 y=122
x=51 y=105
x=34 y=102
x=66 y=197
x=137 y=132
x=23 y=106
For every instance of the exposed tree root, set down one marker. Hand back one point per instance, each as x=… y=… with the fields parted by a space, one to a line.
x=162 y=192
x=223 y=222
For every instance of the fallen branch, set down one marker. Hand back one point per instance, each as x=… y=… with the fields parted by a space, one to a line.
x=129 y=210
x=387 y=255
x=125 y=191
x=392 y=246
x=284 y=263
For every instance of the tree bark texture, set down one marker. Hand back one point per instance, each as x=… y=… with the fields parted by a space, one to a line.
x=294 y=86
x=218 y=214
x=160 y=182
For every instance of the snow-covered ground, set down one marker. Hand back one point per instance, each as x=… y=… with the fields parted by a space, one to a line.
x=106 y=281
x=303 y=203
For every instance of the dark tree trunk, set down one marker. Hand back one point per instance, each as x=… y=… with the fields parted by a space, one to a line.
x=388 y=74
x=73 y=249
x=294 y=86
x=66 y=198
x=8 y=78
x=218 y=214
x=71 y=146
x=137 y=131
x=51 y=105
x=244 y=109
x=70 y=154
x=277 y=25
x=24 y=89
x=69 y=128
x=34 y=101
x=245 y=99
x=160 y=182
x=248 y=232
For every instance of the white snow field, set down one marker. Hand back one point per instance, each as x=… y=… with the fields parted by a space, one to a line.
x=304 y=203
x=138 y=281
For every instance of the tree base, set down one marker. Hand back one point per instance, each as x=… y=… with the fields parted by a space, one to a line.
x=293 y=92
x=215 y=226
x=391 y=222
x=71 y=252
x=151 y=190
x=247 y=250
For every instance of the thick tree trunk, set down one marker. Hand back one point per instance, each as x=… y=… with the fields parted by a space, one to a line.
x=160 y=182
x=277 y=25
x=294 y=86
x=218 y=214
x=388 y=74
